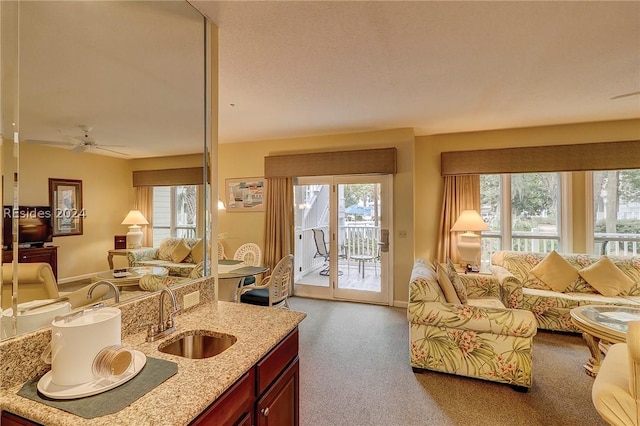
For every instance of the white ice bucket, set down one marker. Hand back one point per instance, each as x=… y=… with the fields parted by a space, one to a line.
x=77 y=339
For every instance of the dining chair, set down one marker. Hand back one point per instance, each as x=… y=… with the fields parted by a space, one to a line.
x=251 y=255
x=273 y=290
x=221 y=253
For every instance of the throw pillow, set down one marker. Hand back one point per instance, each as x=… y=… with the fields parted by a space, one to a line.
x=197 y=251
x=606 y=277
x=180 y=252
x=555 y=272
x=461 y=291
x=446 y=286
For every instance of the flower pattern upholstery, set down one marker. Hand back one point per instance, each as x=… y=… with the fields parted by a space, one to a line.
x=552 y=308
x=487 y=343
x=161 y=256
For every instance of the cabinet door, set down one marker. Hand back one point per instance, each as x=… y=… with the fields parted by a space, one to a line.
x=234 y=407
x=279 y=404
x=8 y=419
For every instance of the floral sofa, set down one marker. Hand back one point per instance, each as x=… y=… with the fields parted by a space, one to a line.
x=179 y=255
x=477 y=338
x=523 y=289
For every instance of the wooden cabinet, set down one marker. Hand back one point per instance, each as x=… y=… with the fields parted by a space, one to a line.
x=8 y=419
x=35 y=255
x=267 y=395
x=274 y=392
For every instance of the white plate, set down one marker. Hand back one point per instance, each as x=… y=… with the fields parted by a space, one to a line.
x=50 y=389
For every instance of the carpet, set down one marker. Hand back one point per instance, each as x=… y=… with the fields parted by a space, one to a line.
x=354 y=370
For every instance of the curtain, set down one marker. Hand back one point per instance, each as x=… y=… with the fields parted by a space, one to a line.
x=460 y=193
x=144 y=203
x=278 y=220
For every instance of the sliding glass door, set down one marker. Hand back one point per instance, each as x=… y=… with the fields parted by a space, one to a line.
x=342 y=238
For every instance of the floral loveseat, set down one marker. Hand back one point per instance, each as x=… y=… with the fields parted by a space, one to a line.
x=179 y=255
x=524 y=290
x=477 y=338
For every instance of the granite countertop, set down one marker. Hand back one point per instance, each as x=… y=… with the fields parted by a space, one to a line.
x=198 y=383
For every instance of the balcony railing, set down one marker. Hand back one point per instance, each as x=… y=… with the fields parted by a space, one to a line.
x=605 y=244
x=354 y=240
x=617 y=244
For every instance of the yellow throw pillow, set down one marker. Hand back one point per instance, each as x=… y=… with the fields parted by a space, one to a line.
x=459 y=287
x=197 y=252
x=180 y=252
x=446 y=286
x=555 y=272
x=606 y=277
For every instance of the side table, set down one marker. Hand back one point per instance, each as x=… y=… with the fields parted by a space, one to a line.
x=119 y=252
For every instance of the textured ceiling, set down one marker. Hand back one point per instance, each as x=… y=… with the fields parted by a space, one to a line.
x=314 y=67
x=133 y=70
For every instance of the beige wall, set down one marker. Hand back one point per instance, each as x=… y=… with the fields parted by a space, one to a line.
x=107 y=197
x=247 y=160
x=428 y=182
x=106 y=184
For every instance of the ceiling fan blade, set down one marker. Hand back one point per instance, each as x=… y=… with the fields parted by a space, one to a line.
x=110 y=150
x=626 y=95
x=78 y=149
x=43 y=142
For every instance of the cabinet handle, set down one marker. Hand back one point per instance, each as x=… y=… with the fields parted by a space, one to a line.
x=265 y=411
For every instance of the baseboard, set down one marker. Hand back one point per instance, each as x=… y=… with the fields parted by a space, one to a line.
x=400 y=304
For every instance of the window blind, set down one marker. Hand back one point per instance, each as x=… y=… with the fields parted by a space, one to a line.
x=618 y=155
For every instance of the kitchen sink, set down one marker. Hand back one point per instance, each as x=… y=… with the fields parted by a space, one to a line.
x=198 y=344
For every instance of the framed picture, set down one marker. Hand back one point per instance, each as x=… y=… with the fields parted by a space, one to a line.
x=65 y=199
x=245 y=194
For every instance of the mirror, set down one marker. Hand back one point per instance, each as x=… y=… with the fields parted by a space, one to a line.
x=102 y=90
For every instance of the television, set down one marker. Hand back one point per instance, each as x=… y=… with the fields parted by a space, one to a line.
x=35 y=226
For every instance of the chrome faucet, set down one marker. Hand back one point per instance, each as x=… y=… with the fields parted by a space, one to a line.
x=116 y=291
x=163 y=328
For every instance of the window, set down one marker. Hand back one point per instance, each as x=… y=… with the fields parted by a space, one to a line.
x=523 y=212
x=616 y=212
x=174 y=212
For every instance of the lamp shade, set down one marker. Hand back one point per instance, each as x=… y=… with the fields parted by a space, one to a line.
x=135 y=217
x=469 y=220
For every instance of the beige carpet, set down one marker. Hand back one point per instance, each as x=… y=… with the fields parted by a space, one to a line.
x=354 y=370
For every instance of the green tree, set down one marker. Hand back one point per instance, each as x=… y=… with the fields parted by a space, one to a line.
x=356 y=192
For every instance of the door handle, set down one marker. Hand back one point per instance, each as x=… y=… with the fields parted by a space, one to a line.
x=384 y=240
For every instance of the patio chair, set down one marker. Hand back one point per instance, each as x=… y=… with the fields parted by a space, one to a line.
x=273 y=290
x=251 y=255
x=321 y=249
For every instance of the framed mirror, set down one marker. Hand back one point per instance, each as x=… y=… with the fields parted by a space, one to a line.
x=111 y=95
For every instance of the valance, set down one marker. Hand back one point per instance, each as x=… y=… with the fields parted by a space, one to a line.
x=366 y=161
x=619 y=155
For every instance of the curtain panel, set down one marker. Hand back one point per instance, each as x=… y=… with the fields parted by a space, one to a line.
x=144 y=203
x=279 y=219
x=460 y=193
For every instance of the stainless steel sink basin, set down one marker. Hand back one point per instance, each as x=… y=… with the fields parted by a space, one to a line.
x=198 y=344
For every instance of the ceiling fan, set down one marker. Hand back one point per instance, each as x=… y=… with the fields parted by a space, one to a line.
x=81 y=143
x=625 y=95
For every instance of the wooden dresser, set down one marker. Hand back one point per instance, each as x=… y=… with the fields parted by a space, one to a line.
x=34 y=255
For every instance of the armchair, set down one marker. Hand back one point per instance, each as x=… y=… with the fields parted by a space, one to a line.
x=37 y=282
x=616 y=389
x=480 y=338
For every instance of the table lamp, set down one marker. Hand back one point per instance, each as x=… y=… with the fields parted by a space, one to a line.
x=469 y=247
x=134 y=236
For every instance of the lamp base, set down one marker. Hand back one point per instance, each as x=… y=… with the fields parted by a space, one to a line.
x=134 y=237
x=469 y=249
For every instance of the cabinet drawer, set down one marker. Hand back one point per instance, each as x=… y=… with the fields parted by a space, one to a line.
x=276 y=361
x=234 y=407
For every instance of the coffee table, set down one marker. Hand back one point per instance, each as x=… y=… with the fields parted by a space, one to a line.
x=126 y=277
x=602 y=323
